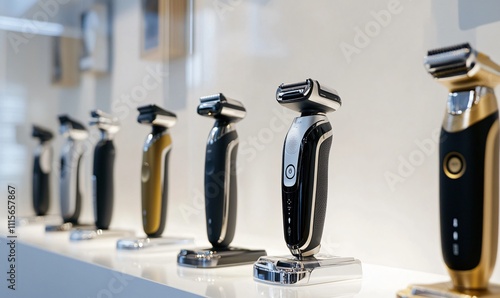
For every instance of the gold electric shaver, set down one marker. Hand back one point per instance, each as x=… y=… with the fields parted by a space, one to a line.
x=154 y=177
x=468 y=163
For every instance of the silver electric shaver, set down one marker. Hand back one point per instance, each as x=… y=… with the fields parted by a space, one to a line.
x=42 y=166
x=468 y=163
x=304 y=175
x=103 y=174
x=220 y=167
x=72 y=181
x=154 y=177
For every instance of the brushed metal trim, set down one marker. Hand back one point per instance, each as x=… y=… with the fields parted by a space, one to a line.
x=478 y=277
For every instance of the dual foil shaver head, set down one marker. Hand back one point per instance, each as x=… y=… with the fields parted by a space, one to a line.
x=304 y=173
x=220 y=167
x=468 y=163
x=154 y=176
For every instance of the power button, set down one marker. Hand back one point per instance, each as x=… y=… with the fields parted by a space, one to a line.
x=290 y=171
x=454 y=165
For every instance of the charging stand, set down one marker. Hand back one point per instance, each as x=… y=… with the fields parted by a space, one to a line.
x=137 y=244
x=218 y=257
x=84 y=234
x=446 y=290
x=290 y=271
x=67 y=226
x=37 y=219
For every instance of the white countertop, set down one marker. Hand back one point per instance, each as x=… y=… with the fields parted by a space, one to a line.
x=52 y=260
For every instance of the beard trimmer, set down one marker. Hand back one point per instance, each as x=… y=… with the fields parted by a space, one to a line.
x=42 y=166
x=305 y=164
x=71 y=184
x=103 y=175
x=468 y=163
x=220 y=167
x=154 y=177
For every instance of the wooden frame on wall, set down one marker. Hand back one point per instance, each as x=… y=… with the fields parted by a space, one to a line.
x=164 y=29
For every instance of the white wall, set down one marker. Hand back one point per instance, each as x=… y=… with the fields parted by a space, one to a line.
x=390 y=106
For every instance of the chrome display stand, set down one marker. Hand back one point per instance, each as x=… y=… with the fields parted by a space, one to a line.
x=446 y=290
x=290 y=271
x=80 y=234
x=67 y=226
x=136 y=244
x=216 y=258
x=37 y=219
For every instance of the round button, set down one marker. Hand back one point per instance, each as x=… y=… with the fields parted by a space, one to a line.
x=454 y=165
x=290 y=171
x=145 y=172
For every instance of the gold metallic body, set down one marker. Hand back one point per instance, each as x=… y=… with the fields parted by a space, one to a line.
x=153 y=171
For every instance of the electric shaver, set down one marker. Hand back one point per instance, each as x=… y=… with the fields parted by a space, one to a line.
x=103 y=177
x=154 y=175
x=220 y=167
x=41 y=170
x=468 y=163
x=304 y=174
x=71 y=184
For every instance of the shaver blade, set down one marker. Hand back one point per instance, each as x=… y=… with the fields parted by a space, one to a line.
x=72 y=128
x=105 y=121
x=450 y=61
x=41 y=133
x=153 y=114
x=308 y=96
x=220 y=107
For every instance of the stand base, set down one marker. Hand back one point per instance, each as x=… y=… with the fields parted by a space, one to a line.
x=289 y=271
x=446 y=290
x=37 y=219
x=149 y=243
x=91 y=234
x=67 y=226
x=215 y=258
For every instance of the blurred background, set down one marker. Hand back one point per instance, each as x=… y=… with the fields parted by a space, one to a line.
x=57 y=58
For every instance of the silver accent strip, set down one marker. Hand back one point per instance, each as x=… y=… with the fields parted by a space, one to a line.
x=227 y=183
x=311 y=224
x=166 y=121
x=218 y=132
x=163 y=169
x=152 y=138
x=44 y=152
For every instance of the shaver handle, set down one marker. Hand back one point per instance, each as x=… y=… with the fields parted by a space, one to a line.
x=469 y=201
x=70 y=184
x=41 y=181
x=305 y=186
x=221 y=189
x=103 y=183
x=154 y=184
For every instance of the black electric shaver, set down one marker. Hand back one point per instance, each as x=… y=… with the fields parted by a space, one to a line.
x=71 y=184
x=220 y=167
x=468 y=163
x=103 y=177
x=304 y=175
x=42 y=166
x=154 y=175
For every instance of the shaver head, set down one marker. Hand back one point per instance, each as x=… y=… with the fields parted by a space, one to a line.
x=156 y=116
x=221 y=108
x=71 y=128
x=41 y=133
x=461 y=67
x=105 y=122
x=308 y=97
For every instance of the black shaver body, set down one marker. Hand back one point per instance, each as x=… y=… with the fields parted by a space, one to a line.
x=468 y=164
x=41 y=171
x=154 y=176
x=305 y=182
x=103 y=169
x=304 y=175
x=71 y=183
x=220 y=167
